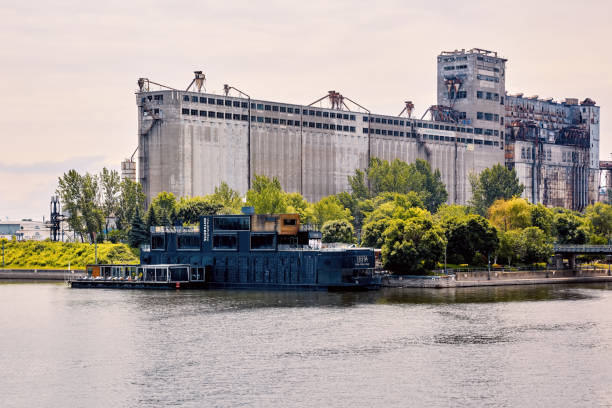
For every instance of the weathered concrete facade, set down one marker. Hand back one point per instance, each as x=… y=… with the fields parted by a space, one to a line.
x=190 y=142
x=473 y=83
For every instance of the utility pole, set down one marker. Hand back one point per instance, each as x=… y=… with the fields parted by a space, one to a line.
x=2 y=253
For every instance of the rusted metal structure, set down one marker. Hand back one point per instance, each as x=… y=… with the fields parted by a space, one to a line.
x=554 y=148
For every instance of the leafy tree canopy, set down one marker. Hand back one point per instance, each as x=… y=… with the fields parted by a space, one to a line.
x=337 y=231
x=131 y=202
x=412 y=246
x=543 y=218
x=189 y=210
x=138 y=233
x=570 y=228
x=599 y=218
x=296 y=203
x=80 y=196
x=400 y=177
x=510 y=214
x=495 y=183
x=468 y=236
x=266 y=196
x=229 y=199
x=163 y=210
x=328 y=209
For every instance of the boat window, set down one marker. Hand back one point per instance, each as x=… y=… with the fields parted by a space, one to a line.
x=179 y=274
x=263 y=241
x=149 y=274
x=188 y=241
x=197 y=274
x=225 y=241
x=232 y=223
x=289 y=221
x=161 y=274
x=158 y=242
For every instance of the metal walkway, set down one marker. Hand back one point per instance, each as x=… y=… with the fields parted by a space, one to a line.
x=583 y=249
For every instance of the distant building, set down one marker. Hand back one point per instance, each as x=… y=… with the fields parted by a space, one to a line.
x=128 y=170
x=553 y=146
x=191 y=141
x=24 y=230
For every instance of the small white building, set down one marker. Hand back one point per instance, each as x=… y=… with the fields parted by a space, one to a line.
x=24 y=230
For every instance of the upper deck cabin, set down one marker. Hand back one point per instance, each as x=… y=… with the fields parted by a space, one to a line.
x=238 y=233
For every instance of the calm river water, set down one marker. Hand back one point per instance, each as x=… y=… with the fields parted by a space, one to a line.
x=510 y=346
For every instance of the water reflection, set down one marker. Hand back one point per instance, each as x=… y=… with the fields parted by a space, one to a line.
x=216 y=301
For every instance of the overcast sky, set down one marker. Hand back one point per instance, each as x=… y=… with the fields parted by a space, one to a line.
x=68 y=69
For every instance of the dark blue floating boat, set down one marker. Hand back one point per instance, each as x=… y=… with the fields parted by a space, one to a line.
x=240 y=252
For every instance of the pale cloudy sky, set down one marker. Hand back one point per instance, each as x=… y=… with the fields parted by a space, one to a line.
x=68 y=69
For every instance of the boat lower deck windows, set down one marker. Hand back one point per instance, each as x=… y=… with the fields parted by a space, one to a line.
x=197 y=274
x=179 y=274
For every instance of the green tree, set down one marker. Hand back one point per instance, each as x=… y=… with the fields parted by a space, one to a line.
x=412 y=246
x=229 y=199
x=497 y=182
x=138 y=234
x=510 y=214
x=359 y=187
x=189 y=210
x=266 y=196
x=570 y=228
x=110 y=185
x=449 y=212
x=433 y=187
x=80 y=198
x=131 y=201
x=397 y=176
x=93 y=215
x=599 y=218
x=151 y=219
x=468 y=236
x=70 y=190
x=372 y=234
x=296 y=203
x=329 y=208
x=384 y=208
x=164 y=208
x=543 y=218
x=337 y=231
x=536 y=247
x=511 y=245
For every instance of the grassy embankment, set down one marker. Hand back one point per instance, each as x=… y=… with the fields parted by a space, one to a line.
x=57 y=255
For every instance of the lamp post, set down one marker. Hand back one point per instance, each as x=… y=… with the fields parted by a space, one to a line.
x=445 y=245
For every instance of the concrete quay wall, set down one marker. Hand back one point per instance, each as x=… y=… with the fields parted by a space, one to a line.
x=498 y=278
x=40 y=274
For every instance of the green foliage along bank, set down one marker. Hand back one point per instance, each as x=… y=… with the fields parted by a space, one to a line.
x=394 y=206
x=58 y=255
